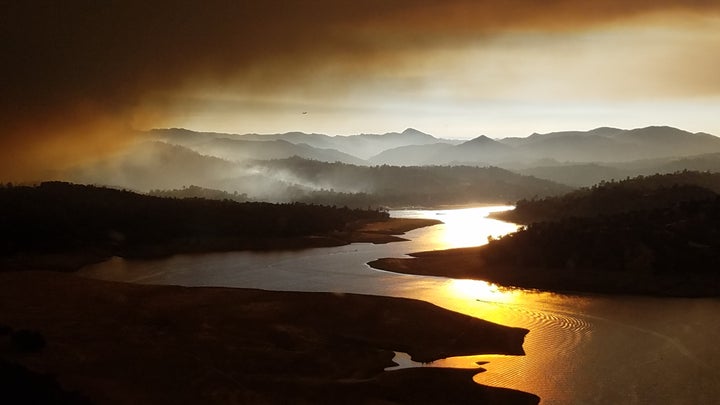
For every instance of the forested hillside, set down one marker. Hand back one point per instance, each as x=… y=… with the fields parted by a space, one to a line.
x=61 y=217
x=343 y=184
x=656 y=235
x=607 y=198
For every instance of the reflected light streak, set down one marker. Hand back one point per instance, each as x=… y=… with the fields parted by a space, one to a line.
x=470 y=227
x=479 y=299
x=465 y=227
x=479 y=290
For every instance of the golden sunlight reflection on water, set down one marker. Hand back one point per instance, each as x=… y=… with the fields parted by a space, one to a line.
x=581 y=349
x=468 y=297
x=480 y=291
x=553 y=339
x=463 y=227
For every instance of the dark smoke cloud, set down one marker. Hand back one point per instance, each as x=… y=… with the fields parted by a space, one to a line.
x=75 y=73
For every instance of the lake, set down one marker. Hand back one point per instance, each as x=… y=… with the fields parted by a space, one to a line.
x=581 y=349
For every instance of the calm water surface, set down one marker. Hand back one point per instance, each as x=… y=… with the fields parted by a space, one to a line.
x=582 y=349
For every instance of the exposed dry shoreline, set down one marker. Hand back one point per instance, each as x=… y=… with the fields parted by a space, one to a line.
x=134 y=344
x=370 y=232
x=469 y=263
x=386 y=231
x=124 y=343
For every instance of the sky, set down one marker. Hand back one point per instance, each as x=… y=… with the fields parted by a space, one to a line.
x=82 y=77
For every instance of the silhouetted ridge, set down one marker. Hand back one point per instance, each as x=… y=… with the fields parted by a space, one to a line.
x=485 y=141
x=395 y=186
x=479 y=140
x=361 y=146
x=607 y=198
x=605 y=131
x=657 y=234
x=670 y=250
x=613 y=145
x=60 y=217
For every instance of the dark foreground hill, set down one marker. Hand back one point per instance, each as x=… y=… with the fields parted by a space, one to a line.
x=115 y=343
x=641 y=236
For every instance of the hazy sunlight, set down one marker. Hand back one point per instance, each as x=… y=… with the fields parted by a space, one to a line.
x=471 y=227
x=463 y=227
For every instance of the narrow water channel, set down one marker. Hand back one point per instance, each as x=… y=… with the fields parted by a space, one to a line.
x=581 y=349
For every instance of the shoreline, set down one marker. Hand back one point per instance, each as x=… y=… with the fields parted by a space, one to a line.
x=376 y=232
x=247 y=345
x=468 y=263
x=219 y=345
x=484 y=203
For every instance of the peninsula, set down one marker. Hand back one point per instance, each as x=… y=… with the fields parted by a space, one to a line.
x=654 y=235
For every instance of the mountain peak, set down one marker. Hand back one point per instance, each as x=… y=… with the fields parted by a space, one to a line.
x=659 y=132
x=486 y=142
x=482 y=139
x=415 y=132
x=605 y=131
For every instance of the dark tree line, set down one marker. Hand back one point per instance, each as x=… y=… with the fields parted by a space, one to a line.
x=58 y=216
x=614 y=197
x=193 y=191
x=682 y=238
x=630 y=236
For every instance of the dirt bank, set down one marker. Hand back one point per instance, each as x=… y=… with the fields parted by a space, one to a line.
x=123 y=343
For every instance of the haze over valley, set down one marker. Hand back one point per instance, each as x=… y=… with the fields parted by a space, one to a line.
x=358 y=170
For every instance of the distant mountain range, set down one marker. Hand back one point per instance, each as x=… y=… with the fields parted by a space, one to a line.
x=588 y=174
x=154 y=165
x=299 y=166
x=354 y=149
x=479 y=151
x=599 y=145
x=415 y=148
